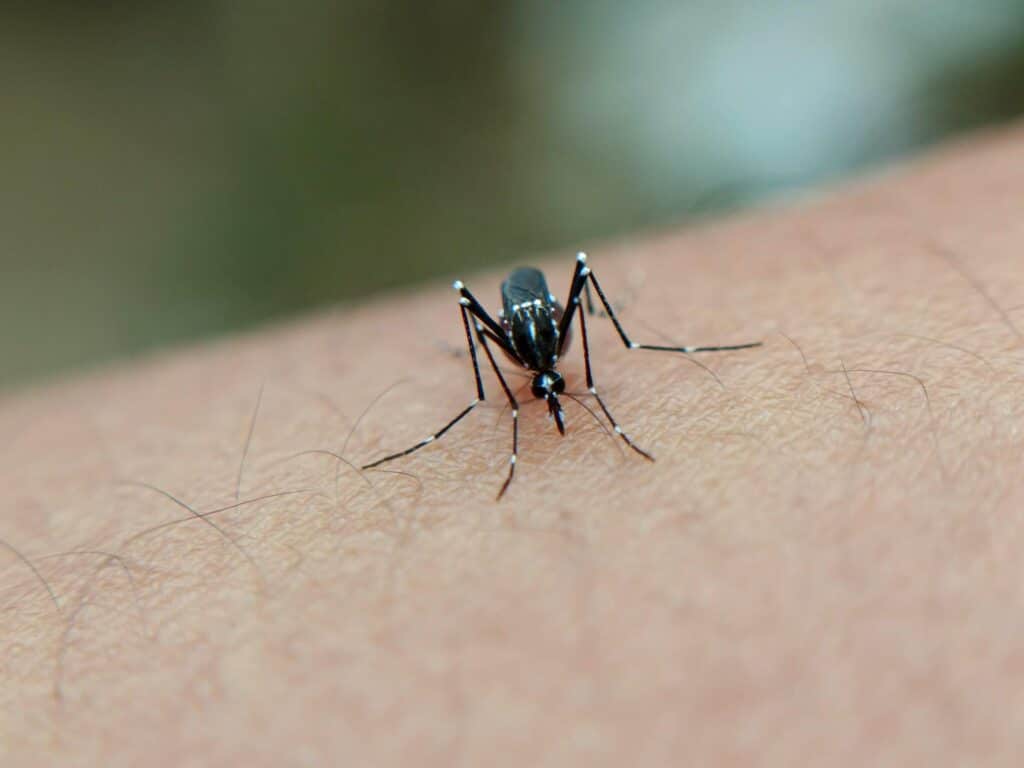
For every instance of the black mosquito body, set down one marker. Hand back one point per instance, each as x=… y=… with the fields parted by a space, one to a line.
x=533 y=330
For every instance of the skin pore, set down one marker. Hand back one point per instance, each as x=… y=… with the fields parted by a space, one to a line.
x=823 y=564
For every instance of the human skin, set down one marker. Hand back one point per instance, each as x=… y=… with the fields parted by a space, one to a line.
x=823 y=566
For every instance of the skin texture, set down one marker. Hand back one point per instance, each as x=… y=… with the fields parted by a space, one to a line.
x=822 y=567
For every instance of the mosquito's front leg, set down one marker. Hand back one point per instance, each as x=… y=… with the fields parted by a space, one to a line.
x=482 y=335
x=600 y=402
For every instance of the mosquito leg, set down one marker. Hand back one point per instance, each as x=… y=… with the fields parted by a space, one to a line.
x=475 y=308
x=589 y=299
x=482 y=335
x=572 y=302
x=464 y=311
x=460 y=354
x=593 y=391
x=584 y=272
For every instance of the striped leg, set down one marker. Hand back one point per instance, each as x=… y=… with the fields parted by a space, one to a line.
x=580 y=276
x=482 y=334
x=480 y=396
x=593 y=391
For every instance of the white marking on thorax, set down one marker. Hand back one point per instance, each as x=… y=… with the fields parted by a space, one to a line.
x=527 y=305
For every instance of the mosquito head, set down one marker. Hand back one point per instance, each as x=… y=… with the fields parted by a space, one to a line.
x=547 y=384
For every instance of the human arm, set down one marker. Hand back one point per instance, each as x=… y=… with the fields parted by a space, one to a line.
x=822 y=565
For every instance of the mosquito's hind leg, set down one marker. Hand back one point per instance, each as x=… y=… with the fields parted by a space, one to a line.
x=480 y=395
x=583 y=273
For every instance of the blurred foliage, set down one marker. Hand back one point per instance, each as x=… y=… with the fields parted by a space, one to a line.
x=178 y=169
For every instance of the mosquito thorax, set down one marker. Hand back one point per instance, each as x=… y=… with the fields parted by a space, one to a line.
x=547 y=383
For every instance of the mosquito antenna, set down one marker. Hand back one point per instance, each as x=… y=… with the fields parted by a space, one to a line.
x=686 y=355
x=604 y=428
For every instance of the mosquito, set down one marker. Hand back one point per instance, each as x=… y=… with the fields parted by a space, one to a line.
x=533 y=330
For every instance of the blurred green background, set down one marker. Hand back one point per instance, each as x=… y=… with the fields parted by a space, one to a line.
x=170 y=170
